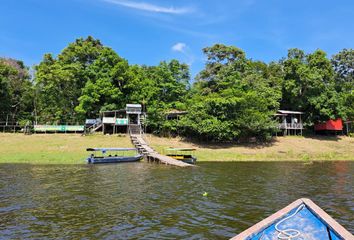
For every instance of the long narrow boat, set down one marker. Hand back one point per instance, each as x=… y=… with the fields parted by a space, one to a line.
x=302 y=219
x=183 y=154
x=113 y=155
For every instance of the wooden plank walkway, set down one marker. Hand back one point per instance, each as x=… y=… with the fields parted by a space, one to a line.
x=151 y=155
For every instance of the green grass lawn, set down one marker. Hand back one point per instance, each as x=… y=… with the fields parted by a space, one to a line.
x=71 y=148
x=53 y=148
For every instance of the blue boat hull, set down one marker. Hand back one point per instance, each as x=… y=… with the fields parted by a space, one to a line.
x=114 y=159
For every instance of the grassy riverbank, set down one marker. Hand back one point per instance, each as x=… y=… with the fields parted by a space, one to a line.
x=53 y=148
x=70 y=148
x=291 y=148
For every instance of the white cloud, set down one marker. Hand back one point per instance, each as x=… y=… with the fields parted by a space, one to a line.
x=150 y=7
x=185 y=51
x=179 y=47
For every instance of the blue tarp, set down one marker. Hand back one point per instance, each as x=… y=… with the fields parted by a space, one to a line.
x=308 y=224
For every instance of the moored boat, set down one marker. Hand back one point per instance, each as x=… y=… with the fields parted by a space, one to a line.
x=113 y=155
x=183 y=154
x=302 y=219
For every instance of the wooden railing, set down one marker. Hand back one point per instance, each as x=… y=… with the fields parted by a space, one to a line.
x=92 y=128
x=10 y=126
x=291 y=126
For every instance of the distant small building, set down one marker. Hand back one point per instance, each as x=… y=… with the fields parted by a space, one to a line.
x=175 y=114
x=333 y=126
x=121 y=121
x=114 y=121
x=290 y=122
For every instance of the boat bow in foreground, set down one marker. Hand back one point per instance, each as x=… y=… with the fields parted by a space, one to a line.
x=302 y=219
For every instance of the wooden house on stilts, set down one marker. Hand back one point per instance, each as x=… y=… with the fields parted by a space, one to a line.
x=128 y=120
x=290 y=122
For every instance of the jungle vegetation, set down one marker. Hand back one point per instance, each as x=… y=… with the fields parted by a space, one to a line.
x=232 y=98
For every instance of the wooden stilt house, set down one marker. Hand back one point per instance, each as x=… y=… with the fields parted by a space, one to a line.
x=290 y=122
x=124 y=120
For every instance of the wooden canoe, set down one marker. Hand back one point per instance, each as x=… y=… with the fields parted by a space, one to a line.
x=302 y=219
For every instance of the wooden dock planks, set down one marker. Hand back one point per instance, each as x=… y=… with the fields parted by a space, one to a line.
x=152 y=156
x=168 y=160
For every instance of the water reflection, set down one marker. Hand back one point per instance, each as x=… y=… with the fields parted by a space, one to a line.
x=141 y=200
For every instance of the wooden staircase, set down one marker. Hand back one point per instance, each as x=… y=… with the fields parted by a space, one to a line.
x=93 y=128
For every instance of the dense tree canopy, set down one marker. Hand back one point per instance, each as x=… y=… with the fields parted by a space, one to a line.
x=309 y=86
x=87 y=78
x=232 y=98
x=104 y=89
x=343 y=64
x=16 y=92
x=59 y=81
x=235 y=97
x=159 y=88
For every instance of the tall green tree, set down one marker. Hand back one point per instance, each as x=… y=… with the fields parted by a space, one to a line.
x=343 y=64
x=235 y=98
x=309 y=86
x=108 y=75
x=16 y=91
x=59 y=81
x=159 y=88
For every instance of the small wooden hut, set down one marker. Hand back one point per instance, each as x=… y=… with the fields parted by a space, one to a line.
x=123 y=120
x=114 y=121
x=175 y=114
x=290 y=122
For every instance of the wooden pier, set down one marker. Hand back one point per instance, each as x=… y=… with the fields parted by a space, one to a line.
x=151 y=155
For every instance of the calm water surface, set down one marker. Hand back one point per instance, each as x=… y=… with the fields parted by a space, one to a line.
x=147 y=201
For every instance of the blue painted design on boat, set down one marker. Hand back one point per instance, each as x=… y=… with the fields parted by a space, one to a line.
x=308 y=225
x=113 y=157
x=300 y=220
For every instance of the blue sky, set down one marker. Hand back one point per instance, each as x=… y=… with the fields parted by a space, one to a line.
x=148 y=31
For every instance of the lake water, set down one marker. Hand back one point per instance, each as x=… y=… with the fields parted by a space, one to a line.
x=148 y=201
